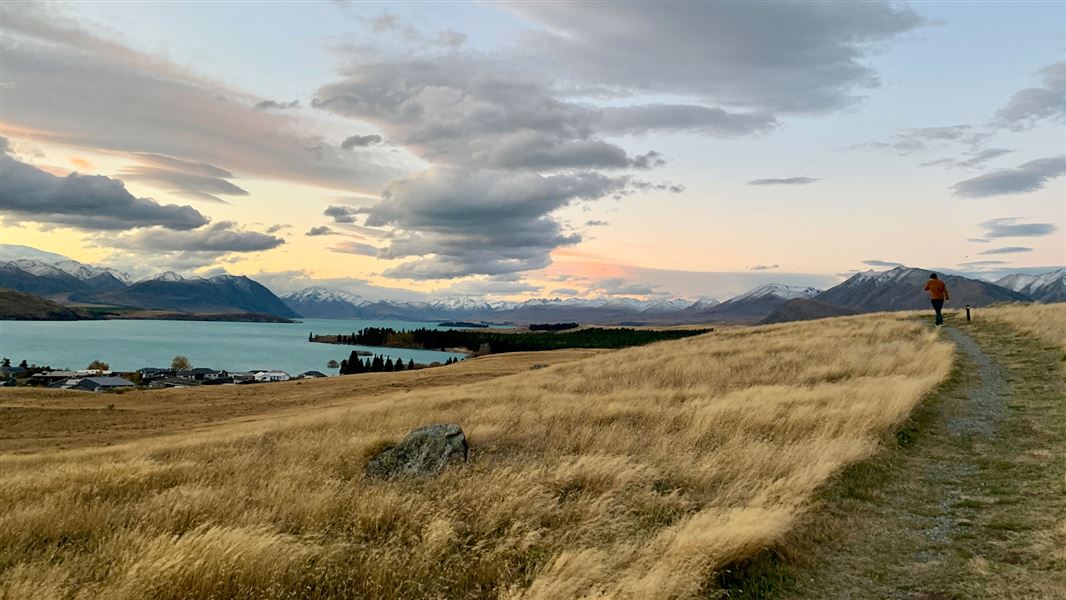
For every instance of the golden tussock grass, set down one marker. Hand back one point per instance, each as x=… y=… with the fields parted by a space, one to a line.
x=629 y=474
x=1044 y=321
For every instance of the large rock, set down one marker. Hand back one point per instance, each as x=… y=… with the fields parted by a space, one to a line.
x=425 y=451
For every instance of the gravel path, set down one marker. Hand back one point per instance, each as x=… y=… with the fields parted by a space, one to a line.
x=967 y=506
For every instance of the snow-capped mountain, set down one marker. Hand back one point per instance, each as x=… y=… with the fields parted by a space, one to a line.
x=901 y=289
x=461 y=304
x=1045 y=287
x=756 y=304
x=778 y=290
x=670 y=305
x=73 y=282
x=165 y=276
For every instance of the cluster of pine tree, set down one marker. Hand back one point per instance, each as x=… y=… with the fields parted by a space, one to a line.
x=491 y=341
x=378 y=364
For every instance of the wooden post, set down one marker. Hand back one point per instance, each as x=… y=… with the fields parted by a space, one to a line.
x=967 y=313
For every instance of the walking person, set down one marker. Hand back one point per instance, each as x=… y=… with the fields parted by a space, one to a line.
x=938 y=294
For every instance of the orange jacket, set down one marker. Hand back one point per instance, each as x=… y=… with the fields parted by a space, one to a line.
x=937 y=290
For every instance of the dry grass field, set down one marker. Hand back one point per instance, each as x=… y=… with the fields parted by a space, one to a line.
x=628 y=474
x=1046 y=322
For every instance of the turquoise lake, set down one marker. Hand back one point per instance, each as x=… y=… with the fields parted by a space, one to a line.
x=133 y=344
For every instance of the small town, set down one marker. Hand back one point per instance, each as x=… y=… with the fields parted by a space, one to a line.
x=98 y=377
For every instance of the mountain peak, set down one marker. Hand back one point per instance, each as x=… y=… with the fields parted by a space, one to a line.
x=167 y=276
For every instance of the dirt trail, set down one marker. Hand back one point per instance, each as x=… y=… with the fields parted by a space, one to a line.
x=970 y=506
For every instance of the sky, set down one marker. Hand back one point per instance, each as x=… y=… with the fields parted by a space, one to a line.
x=513 y=150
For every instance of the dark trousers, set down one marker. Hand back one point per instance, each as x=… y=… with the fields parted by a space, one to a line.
x=938 y=305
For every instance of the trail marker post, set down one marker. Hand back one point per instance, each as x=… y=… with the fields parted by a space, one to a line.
x=967 y=313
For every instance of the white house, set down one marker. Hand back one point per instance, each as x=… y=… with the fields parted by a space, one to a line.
x=265 y=376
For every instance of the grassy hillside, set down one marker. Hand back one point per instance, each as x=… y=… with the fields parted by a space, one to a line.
x=28 y=307
x=628 y=474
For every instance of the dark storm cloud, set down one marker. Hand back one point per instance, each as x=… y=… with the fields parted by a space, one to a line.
x=785 y=181
x=766 y=56
x=83 y=201
x=1030 y=106
x=360 y=141
x=1028 y=177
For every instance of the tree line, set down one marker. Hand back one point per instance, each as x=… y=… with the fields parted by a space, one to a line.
x=378 y=364
x=494 y=342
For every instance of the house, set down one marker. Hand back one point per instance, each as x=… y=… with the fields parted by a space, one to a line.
x=102 y=384
x=50 y=377
x=311 y=375
x=151 y=373
x=266 y=376
x=200 y=374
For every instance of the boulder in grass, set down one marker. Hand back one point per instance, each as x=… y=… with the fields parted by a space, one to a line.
x=423 y=452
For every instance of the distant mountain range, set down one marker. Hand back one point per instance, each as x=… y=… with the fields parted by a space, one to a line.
x=1047 y=287
x=69 y=282
x=73 y=283
x=900 y=289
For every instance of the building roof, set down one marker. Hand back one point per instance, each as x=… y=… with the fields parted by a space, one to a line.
x=104 y=382
x=313 y=374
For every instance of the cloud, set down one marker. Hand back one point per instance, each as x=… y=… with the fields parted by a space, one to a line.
x=360 y=141
x=320 y=230
x=221 y=237
x=616 y=286
x=277 y=227
x=564 y=292
x=195 y=179
x=488 y=287
x=1011 y=227
x=350 y=247
x=274 y=105
x=1027 y=177
x=983 y=263
x=918 y=139
x=881 y=263
x=92 y=202
x=976 y=159
x=774 y=57
x=703 y=120
x=1030 y=106
x=764 y=267
x=1007 y=250
x=461 y=222
x=594 y=223
x=102 y=94
x=785 y=181
x=344 y=214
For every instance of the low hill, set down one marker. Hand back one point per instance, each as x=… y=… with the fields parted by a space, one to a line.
x=805 y=309
x=637 y=473
x=901 y=289
x=24 y=306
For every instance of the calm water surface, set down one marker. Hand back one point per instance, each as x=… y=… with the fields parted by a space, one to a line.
x=131 y=345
